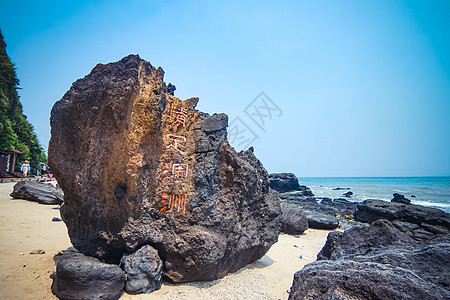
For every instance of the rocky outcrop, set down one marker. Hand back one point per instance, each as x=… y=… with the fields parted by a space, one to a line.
x=420 y=222
x=377 y=262
x=80 y=277
x=139 y=166
x=40 y=192
x=362 y=240
x=347 y=279
x=144 y=271
x=293 y=220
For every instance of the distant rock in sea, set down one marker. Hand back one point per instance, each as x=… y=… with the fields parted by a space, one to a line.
x=348 y=194
x=399 y=198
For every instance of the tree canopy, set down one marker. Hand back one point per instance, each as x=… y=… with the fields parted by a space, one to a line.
x=15 y=131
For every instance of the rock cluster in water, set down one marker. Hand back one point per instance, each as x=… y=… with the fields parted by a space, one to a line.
x=140 y=167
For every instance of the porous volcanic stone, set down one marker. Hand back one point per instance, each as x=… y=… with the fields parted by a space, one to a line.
x=139 y=166
x=144 y=271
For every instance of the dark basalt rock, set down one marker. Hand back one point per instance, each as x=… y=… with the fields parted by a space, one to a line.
x=144 y=271
x=429 y=220
x=294 y=221
x=80 y=277
x=341 y=188
x=319 y=220
x=43 y=193
x=284 y=182
x=377 y=262
x=347 y=279
x=399 y=198
x=361 y=240
x=141 y=167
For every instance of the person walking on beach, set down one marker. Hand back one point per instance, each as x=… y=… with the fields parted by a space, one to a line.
x=25 y=168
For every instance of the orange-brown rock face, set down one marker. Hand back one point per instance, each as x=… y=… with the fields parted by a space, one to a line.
x=139 y=166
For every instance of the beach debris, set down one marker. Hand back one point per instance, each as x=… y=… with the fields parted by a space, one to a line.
x=300 y=256
x=38 y=251
x=21 y=253
x=144 y=271
x=139 y=166
x=82 y=277
x=42 y=193
x=56 y=219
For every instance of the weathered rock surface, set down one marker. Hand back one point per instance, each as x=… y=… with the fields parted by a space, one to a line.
x=423 y=221
x=294 y=221
x=284 y=182
x=80 y=277
x=37 y=191
x=141 y=167
x=349 y=280
x=144 y=271
x=377 y=262
x=362 y=240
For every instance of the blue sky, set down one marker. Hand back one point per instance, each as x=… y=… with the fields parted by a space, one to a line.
x=363 y=86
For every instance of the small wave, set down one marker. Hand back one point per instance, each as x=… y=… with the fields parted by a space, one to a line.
x=404 y=192
x=426 y=203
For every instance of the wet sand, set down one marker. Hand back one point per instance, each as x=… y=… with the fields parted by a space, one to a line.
x=27 y=226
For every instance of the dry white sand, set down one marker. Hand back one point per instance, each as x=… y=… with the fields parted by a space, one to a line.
x=26 y=226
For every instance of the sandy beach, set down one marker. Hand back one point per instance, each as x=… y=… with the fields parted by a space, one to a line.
x=27 y=226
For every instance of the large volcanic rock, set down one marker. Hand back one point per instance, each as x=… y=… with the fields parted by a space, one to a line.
x=139 y=166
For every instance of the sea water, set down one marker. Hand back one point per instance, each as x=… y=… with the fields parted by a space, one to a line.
x=428 y=191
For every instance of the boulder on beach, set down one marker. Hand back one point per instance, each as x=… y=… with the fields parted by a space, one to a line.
x=294 y=220
x=43 y=193
x=82 y=277
x=139 y=166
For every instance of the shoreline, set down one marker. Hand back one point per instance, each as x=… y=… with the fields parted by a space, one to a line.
x=26 y=226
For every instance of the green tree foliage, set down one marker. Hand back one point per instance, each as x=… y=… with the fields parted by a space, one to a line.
x=15 y=131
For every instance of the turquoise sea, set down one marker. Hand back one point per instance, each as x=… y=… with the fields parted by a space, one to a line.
x=429 y=191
